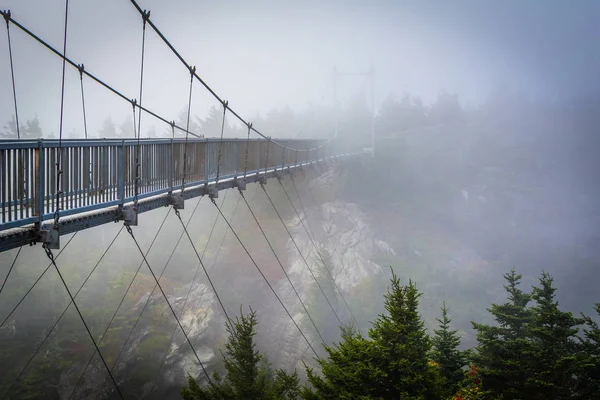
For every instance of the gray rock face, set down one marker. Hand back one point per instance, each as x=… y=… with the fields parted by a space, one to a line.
x=343 y=235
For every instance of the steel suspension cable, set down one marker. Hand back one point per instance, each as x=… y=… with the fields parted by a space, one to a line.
x=164 y=358
x=247 y=147
x=81 y=69
x=152 y=291
x=6 y=14
x=207 y=87
x=59 y=171
x=145 y=16
x=302 y=256
x=36 y=282
x=265 y=279
x=10 y=269
x=12 y=71
x=187 y=128
x=120 y=304
x=203 y=267
x=282 y=268
x=72 y=301
x=311 y=237
x=53 y=261
x=225 y=104
x=130 y=231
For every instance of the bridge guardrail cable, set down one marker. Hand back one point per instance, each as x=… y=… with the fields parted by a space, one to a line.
x=311 y=237
x=118 y=306
x=302 y=256
x=49 y=332
x=265 y=278
x=130 y=231
x=7 y=15
x=282 y=267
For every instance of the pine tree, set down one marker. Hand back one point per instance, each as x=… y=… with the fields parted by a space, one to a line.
x=554 y=356
x=503 y=350
x=249 y=375
x=589 y=374
x=446 y=354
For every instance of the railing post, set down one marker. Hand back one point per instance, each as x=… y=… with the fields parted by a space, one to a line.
x=40 y=175
x=121 y=173
x=235 y=156
x=258 y=149
x=170 y=168
x=206 y=161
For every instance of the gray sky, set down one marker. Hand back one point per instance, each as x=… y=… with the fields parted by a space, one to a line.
x=265 y=54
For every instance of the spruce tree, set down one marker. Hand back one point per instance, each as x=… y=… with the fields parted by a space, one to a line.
x=348 y=372
x=392 y=364
x=589 y=374
x=446 y=354
x=248 y=374
x=554 y=361
x=503 y=349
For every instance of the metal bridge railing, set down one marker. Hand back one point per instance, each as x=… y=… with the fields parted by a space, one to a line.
x=99 y=173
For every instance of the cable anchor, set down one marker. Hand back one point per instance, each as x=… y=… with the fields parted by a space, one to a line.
x=145 y=16
x=6 y=15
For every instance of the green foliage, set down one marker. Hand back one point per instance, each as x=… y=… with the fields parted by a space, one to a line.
x=553 y=359
x=249 y=376
x=446 y=353
x=590 y=358
x=392 y=362
x=503 y=349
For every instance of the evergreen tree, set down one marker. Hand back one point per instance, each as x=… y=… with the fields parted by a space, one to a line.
x=503 y=350
x=590 y=359
x=249 y=375
x=348 y=372
x=446 y=353
x=403 y=343
x=392 y=364
x=554 y=356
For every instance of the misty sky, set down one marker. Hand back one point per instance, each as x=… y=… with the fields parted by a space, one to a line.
x=265 y=54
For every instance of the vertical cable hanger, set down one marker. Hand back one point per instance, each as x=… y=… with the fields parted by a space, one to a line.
x=213 y=191
x=263 y=179
x=241 y=183
x=130 y=213
x=22 y=168
x=187 y=128
x=12 y=71
x=225 y=105
x=51 y=241
x=81 y=68
x=247 y=146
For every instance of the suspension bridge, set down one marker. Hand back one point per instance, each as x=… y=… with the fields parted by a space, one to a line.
x=52 y=188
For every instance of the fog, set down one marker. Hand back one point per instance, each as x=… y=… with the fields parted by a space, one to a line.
x=485 y=158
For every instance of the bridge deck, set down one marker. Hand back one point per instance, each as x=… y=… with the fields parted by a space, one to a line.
x=99 y=176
